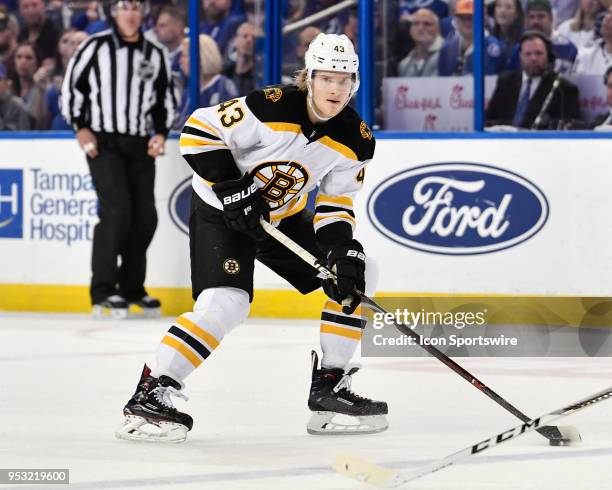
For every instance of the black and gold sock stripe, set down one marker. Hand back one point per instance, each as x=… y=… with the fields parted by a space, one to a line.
x=191 y=341
x=335 y=322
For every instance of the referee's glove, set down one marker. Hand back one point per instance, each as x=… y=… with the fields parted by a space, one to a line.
x=347 y=261
x=243 y=205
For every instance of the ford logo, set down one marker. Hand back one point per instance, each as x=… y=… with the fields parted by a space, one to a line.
x=179 y=205
x=458 y=208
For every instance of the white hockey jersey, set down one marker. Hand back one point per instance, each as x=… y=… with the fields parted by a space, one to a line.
x=270 y=136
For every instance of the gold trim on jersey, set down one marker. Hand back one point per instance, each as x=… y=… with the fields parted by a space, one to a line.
x=342 y=216
x=342 y=201
x=294 y=208
x=284 y=126
x=197 y=122
x=191 y=141
x=339 y=147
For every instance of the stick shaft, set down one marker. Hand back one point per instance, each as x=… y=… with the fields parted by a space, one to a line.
x=374 y=474
x=370 y=303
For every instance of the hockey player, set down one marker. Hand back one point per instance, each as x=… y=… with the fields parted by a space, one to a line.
x=259 y=156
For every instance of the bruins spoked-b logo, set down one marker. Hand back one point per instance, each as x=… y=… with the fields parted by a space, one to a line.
x=231 y=266
x=279 y=182
x=274 y=94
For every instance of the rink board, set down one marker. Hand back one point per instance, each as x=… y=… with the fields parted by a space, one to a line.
x=456 y=217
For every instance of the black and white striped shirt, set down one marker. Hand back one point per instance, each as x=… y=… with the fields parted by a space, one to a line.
x=117 y=87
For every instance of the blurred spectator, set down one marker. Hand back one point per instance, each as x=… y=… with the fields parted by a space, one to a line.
x=8 y=42
x=422 y=61
x=13 y=114
x=535 y=97
x=242 y=70
x=219 y=24
x=604 y=121
x=90 y=19
x=296 y=63
x=408 y=7
x=38 y=29
x=563 y=9
x=255 y=12
x=580 y=29
x=214 y=87
x=170 y=32
x=455 y=56
x=67 y=46
x=351 y=28
x=540 y=18
x=509 y=20
x=595 y=59
x=30 y=83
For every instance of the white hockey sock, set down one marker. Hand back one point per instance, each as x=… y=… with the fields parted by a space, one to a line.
x=189 y=341
x=340 y=334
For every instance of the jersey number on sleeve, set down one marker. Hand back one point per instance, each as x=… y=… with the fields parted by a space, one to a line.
x=228 y=116
x=361 y=176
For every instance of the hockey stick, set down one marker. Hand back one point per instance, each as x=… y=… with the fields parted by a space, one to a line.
x=381 y=476
x=557 y=436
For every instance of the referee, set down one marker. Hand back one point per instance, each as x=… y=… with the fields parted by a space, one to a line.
x=118 y=96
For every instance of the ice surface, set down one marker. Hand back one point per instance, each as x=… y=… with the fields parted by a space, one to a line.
x=64 y=380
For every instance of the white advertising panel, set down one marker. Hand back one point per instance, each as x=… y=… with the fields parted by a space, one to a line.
x=446 y=216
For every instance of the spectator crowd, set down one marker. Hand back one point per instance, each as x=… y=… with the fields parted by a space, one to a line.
x=414 y=38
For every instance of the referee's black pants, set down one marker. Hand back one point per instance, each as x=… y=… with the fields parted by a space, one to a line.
x=124 y=176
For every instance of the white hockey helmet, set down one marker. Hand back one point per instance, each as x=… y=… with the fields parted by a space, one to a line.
x=331 y=52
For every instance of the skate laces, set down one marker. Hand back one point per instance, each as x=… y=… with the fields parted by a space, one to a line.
x=345 y=382
x=163 y=393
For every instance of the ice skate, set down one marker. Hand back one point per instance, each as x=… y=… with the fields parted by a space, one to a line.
x=331 y=398
x=147 y=305
x=150 y=415
x=114 y=307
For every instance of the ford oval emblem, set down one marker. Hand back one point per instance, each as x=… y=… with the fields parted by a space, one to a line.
x=458 y=208
x=179 y=205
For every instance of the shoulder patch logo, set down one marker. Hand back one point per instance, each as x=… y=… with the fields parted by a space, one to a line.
x=366 y=133
x=273 y=94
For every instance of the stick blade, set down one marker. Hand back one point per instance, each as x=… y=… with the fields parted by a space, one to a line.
x=363 y=471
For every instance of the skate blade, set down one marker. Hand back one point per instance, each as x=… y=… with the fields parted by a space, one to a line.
x=140 y=312
x=321 y=423
x=102 y=313
x=135 y=428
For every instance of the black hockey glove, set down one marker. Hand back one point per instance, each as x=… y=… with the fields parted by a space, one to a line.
x=243 y=205
x=347 y=261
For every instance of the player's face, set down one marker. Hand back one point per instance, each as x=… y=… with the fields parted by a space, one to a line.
x=330 y=91
x=129 y=17
x=534 y=59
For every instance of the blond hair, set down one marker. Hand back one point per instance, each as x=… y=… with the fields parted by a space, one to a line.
x=210 y=57
x=300 y=79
